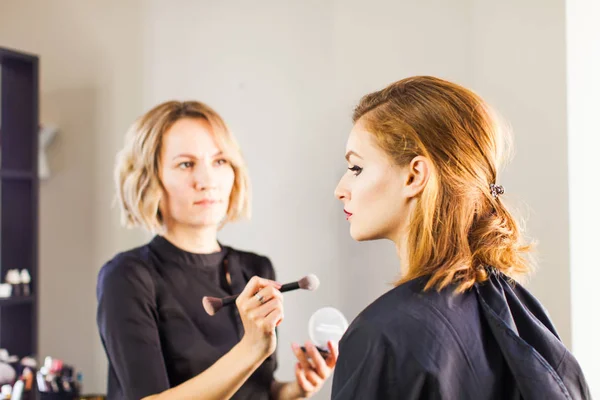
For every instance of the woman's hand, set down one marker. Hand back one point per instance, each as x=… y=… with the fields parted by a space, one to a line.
x=312 y=370
x=261 y=310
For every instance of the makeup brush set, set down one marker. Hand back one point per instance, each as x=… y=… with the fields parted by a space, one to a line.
x=16 y=377
x=57 y=381
x=21 y=380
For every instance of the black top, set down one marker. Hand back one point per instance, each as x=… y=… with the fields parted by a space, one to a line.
x=493 y=342
x=153 y=326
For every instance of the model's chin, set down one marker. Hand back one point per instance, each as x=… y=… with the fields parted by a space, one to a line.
x=208 y=220
x=358 y=234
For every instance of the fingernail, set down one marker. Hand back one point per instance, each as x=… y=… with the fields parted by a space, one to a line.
x=295 y=346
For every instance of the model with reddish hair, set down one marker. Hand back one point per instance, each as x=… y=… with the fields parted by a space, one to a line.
x=424 y=157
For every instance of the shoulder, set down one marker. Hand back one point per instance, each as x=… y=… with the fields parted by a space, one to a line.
x=252 y=263
x=409 y=317
x=127 y=269
x=396 y=303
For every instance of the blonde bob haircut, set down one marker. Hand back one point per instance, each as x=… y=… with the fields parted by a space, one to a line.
x=136 y=174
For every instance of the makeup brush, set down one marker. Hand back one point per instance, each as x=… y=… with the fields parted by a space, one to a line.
x=213 y=304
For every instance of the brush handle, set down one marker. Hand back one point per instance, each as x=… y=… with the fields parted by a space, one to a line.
x=284 y=288
x=229 y=300
x=289 y=286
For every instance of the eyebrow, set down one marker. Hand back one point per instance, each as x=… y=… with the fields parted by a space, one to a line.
x=351 y=153
x=186 y=155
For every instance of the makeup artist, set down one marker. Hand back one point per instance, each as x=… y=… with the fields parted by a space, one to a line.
x=181 y=177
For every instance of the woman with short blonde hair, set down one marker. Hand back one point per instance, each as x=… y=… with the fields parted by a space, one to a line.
x=137 y=169
x=181 y=176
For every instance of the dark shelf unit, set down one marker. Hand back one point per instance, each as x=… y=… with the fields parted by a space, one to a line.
x=19 y=196
x=17 y=300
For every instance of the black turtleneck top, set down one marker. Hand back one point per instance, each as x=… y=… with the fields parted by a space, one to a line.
x=153 y=327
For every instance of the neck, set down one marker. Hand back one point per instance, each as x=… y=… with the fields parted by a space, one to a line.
x=402 y=252
x=400 y=237
x=193 y=239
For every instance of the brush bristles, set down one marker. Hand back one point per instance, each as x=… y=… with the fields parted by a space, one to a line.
x=309 y=282
x=212 y=305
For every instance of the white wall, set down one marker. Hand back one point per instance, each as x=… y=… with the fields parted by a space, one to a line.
x=583 y=34
x=285 y=76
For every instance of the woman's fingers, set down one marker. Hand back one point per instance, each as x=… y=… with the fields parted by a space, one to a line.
x=266 y=294
x=273 y=319
x=302 y=380
x=333 y=354
x=321 y=367
x=253 y=287
x=301 y=356
x=262 y=304
x=261 y=308
x=313 y=378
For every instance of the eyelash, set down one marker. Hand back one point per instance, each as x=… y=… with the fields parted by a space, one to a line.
x=185 y=165
x=189 y=164
x=355 y=169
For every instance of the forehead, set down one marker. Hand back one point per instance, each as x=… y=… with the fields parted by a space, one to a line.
x=362 y=142
x=190 y=135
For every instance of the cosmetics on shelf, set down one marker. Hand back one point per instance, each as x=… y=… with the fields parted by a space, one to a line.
x=22 y=380
x=16 y=283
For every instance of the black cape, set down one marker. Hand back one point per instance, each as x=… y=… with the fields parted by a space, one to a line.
x=493 y=342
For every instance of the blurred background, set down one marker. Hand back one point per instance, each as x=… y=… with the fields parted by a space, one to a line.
x=285 y=76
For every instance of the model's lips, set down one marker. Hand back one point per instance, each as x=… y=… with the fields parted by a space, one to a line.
x=348 y=214
x=205 y=202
